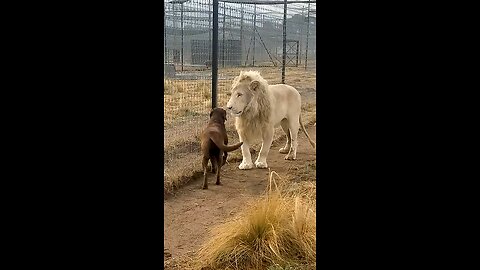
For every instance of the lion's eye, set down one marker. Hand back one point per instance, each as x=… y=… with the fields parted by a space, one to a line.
x=238 y=95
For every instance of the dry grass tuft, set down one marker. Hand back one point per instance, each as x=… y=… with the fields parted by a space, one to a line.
x=275 y=231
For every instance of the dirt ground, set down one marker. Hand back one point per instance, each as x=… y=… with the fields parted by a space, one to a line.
x=182 y=145
x=191 y=211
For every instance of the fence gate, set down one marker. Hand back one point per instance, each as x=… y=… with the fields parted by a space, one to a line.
x=201 y=52
x=172 y=56
x=292 y=53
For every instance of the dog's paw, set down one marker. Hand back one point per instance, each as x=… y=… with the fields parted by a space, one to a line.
x=290 y=157
x=283 y=150
x=262 y=165
x=245 y=166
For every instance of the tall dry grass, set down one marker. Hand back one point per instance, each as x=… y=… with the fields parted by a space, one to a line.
x=277 y=231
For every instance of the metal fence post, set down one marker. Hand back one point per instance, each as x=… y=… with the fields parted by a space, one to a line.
x=297 y=53
x=223 y=36
x=165 y=51
x=215 y=54
x=301 y=35
x=210 y=27
x=254 y=32
x=241 y=30
x=181 y=20
x=308 y=32
x=284 y=40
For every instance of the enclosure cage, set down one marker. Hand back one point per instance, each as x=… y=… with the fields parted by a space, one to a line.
x=251 y=36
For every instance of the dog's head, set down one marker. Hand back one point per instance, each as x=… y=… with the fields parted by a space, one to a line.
x=218 y=114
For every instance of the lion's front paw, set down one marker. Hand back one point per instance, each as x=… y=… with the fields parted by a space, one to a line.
x=245 y=166
x=284 y=150
x=290 y=157
x=262 y=165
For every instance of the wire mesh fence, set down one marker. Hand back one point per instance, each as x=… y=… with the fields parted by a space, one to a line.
x=250 y=36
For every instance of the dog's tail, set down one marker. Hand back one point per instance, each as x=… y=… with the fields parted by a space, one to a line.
x=305 y=131
x=223 y=147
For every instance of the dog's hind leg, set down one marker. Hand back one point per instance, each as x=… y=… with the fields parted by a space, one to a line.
x=205 y=168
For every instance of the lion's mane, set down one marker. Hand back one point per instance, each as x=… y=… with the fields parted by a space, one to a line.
x=257 y=116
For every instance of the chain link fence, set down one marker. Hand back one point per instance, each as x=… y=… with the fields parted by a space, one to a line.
x=250 y=36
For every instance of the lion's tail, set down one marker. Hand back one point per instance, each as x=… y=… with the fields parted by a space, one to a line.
x=305 y=131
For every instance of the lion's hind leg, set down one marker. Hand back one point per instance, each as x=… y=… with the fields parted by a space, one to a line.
x=294 y=125
x=286 y=148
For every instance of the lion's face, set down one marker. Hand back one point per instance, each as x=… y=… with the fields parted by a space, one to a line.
x=242 y=94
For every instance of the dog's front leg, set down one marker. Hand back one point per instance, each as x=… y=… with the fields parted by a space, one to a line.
x=247 y=157
x=267 y=137
x=212 y=169
x=218 y=167
x=224 y=159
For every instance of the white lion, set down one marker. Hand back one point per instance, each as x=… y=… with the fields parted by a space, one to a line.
x=259 y=108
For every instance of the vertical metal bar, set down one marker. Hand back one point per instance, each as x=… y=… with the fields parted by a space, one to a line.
x=231 y=50
x=223 y=37
x=301 y=35
x=284 y=40
x=165 y=51
x=210 y=27
x=254 y=32
x=258 y=33
x=297 y=53
x=241 y=29
x=215 y=54
x=181 y=21
x=308 y=32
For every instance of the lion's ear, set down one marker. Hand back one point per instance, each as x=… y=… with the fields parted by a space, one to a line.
x=211 y=112
x=235 y=79
x=254 y=85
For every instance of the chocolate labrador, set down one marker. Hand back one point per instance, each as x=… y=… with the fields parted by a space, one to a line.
x=215 y=144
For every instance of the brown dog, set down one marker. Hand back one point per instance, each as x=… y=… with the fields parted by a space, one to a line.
x=215 y=144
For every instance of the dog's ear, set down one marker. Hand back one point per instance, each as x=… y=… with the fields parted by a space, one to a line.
x=254 y=85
